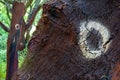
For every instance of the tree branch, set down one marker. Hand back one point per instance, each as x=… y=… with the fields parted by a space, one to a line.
x=8 y=8
x=8 y=13
x=2 y=2
x=31 y=17
x=9 y=1
x=4 y=27
x=29 y=3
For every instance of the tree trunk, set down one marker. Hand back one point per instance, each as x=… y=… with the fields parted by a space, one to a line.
x=15 y=37
x=75 y=40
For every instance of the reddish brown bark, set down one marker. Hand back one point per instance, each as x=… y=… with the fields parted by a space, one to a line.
x=18 y=12
x=16 y=40
x=116 y=72
x=54 y=52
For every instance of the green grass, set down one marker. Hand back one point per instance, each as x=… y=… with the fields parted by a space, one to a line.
x=22 y=55
x=3 y=40
x=2 y=64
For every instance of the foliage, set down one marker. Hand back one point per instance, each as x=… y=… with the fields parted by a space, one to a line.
x=22 y=55
x=3 y=40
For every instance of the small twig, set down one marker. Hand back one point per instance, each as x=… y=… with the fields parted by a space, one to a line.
x=4 y=27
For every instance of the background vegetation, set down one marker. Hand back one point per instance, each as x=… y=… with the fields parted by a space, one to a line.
x=3 y=40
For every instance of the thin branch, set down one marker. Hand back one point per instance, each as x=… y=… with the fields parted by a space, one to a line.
x=37 y=3
x=9 y=1
x=29 y=3
x=2 y=2
x=8 y=14
x=8 y=8
x=4 y=27
x=31 y=17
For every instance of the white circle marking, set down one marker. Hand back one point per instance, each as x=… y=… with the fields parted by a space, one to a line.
x=86 y=27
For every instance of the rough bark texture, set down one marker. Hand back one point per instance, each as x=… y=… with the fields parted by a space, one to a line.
x=116 y=72
x=54 y=52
